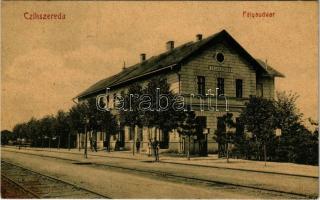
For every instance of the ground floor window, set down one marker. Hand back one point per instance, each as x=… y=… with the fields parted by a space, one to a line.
x=202 y=139
x=121 y=137
x=221 y=126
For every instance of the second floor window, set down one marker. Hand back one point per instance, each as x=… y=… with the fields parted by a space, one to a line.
x=259 y=90
x=238 y=88
x=220 y=85
x=201 y=85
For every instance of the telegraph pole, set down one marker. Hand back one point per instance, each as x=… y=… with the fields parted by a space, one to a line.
x=86 y=139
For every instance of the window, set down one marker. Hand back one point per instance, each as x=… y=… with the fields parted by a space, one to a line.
x=221 y=126
x=220 y=57
x=259 y=90
x=121 y=135
x=220 y=85
x=202 y=121
x=201 y=85
x=238 y=88
x=164 y=139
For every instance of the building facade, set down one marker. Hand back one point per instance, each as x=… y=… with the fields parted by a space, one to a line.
x=217 y=64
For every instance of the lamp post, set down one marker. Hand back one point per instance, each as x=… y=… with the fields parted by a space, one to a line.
x=86 y=138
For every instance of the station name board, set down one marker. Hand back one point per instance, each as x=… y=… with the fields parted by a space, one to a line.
x=219 y=68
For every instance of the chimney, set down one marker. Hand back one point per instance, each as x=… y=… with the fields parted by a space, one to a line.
x=142 y=57
x=266 y=65
x=170 y=45
x=199 y=37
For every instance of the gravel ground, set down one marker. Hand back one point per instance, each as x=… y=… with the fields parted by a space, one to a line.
x=11 y=191
x=122 y=185
x=212 y=160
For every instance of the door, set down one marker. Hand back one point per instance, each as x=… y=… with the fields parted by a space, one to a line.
x=202 y=138
x=121 y=136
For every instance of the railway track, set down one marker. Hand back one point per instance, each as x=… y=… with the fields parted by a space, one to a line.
x=181 y=178
x=37 y=185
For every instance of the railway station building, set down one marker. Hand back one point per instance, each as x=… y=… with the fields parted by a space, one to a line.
x=217 y=61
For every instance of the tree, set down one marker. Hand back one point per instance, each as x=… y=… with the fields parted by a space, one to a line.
x=131 y=115
x=161 y=112
x=224 y=134
x=287 y=112
x=259 y=119
x=296 y=143
x=47 y=130
x=61 y=128
x=107 y=122
x=34 y=132
x=21 y=132
x=188 y=127
x=5 y=137
x=77 y=115
x=240 y=141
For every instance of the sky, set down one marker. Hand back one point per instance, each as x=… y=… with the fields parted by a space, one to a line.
x=45 y=63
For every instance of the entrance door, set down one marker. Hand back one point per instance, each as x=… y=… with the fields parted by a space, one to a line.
x=121 y=137
x=202 y=138
x=164 y=140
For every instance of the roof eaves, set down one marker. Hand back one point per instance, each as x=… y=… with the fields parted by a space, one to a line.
x=145 y=74
x=84 y=94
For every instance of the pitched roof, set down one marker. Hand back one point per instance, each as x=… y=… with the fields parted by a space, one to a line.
x=171 y=59
x=271 y=71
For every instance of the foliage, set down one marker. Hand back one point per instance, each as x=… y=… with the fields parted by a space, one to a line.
x=163 y=119
x=261 y=116
x=60 y=130
x=224 y=133
x=131 y=115
x=6 y=136
x=287 y=112
x=189 y=127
